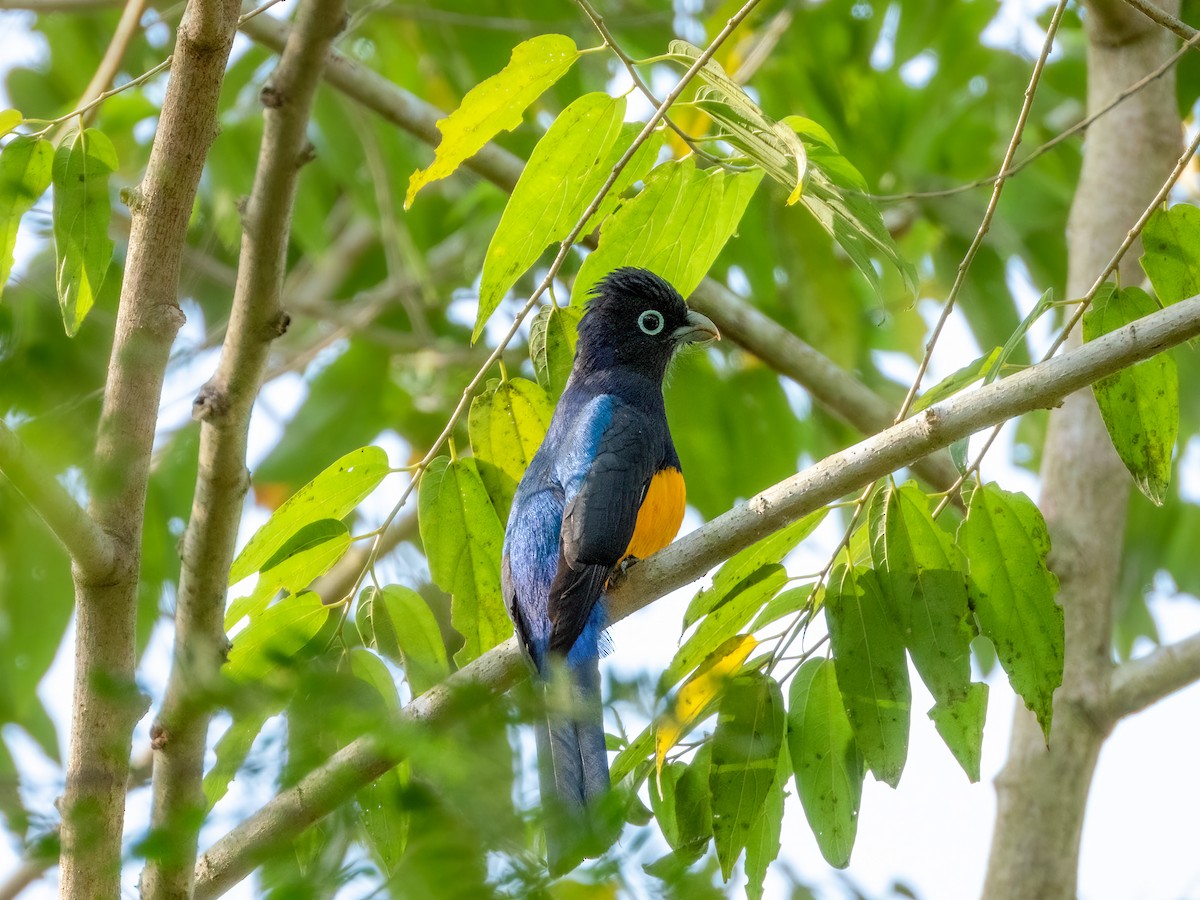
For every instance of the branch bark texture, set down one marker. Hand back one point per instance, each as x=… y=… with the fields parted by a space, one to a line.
x=224 y=406
x=830 y=385
x=282 y=819
x=1042 y=792
x=106 y=701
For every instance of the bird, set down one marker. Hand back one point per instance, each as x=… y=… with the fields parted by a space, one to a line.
x=604 y=489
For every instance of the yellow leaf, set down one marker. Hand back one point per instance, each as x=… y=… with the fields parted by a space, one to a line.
x=698 y=694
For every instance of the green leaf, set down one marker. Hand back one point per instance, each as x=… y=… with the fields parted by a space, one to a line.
x=569 y=164
x=762 y=848
x=785 y=603
x=305 y=556
x=1012 y=592
x=398 y=622
x=959 y=721
x=381 y=803
x=771 y=549
x=638 y=167
x=1171 y=257
x=872 y=671
x=25 y=167
x=745 y=756
x=83 y=249
x=552 y=338
x=826 y=759
x=923 y=575
x=978 y=370
x=463 y=540
x=675 y=227
x=1140 y=404
x=275 y=636
x=331 y=495
x=682 y=804
x=744 y=600
x=231 y=752
x=507 y=423
x=9 y=119
x=496 y=104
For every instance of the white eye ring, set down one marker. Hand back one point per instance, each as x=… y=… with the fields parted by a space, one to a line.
x=651 y=322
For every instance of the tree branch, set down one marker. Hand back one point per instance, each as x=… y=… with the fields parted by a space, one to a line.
x=236 y=854
x=224 y=406
x=1140 y=683
x=90 y=548
x=835 y=389
x=106 y=701
x=1163 y=18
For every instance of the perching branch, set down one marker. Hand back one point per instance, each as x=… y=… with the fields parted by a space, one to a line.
x=90 y=548
x=282 y=819
x=842 y=394
x=1140 y=683
x=224 y=405
x=1163 y=18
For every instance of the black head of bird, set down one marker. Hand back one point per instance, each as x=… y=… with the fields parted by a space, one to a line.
x=636 y=320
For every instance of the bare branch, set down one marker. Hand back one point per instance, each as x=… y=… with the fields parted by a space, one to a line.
x=831 y=386
x=1163 y=18
x=131 y=20
x=224 y=405
x=107 y=703
x=1142 y=682
x=90 y=548
x=278 y=823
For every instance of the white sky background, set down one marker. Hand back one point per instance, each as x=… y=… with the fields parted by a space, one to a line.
x=933 y=833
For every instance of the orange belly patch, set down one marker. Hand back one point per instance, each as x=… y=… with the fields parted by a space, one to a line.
x=660 y=515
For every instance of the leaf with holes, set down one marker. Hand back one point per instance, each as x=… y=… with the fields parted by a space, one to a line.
x=826 y=760
x=25 y=168
x=83 y=250
x=745 y=757
x=1006 y=542
x=331 y=495
x=496 y=104
x=507 y=423
x=463 y=540
x=1140 y=404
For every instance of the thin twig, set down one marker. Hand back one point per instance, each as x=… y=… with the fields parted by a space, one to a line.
x=965 y=266
x=1165 y=19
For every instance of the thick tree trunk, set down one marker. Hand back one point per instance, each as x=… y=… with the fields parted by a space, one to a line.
x=1042 y=792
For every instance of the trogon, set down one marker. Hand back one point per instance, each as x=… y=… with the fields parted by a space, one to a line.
x=604 y=488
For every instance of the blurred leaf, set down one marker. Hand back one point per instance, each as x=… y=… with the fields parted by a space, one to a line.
x=331 y=495
x=496 y=104
x=1012 y=592
x=507 y=423
x=275 y=636
x=959 y=720
x=25 y=167
x=694 y=700
x=307 y=555
x=1140 y=404
x=231 y=752
x=552 y=338
x=81 y=214
x=9 y=119
x=569 y=164
x=675 y=227
x=398 y=622
x=872 y=672
x=981 y=368
x=827 y=761
x=771 y=549
x=1171 y=257
x=745 y=756
x=682 y=803
x=463 y=540
x=745 y=599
